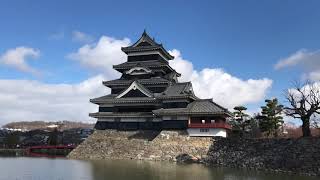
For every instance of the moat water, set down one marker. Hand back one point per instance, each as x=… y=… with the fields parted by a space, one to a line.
x=26 y=168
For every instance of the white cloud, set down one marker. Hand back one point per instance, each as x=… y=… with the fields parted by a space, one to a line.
x=102 y=55
x=314 y=75
x=293 y=59
x=184 y=67
x=34 y=100
x=81 y=37
x=17 y=58
x=308 y=60
x=224 y=88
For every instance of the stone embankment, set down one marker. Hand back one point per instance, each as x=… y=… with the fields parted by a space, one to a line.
x=144 y=145
x=301 y=156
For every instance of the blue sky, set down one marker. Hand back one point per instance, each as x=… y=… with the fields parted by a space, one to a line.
x=244 y=38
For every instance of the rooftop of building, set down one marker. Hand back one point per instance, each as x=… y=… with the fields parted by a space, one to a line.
x=197 y=107
x=146 y=43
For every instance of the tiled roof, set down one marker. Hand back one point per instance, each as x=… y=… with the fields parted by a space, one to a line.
x=103 y=98
x=153 y=80
x=119 y=114
x=146 y=43
x=145 y=38
x=205 y=105
x=172 y=74
x=147 y=64
x=114 y=100
x=176 y=90
x=198 y=107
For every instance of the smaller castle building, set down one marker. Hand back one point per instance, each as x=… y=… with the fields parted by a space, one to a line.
x=148 y=96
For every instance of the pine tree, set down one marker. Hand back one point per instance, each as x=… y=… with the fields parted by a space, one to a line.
x=241 y=120
x=271 y=120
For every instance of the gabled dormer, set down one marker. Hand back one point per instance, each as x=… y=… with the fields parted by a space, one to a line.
x=135 y=90
x=145 y=49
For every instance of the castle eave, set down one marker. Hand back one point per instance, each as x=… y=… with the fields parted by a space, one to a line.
x=127 y=114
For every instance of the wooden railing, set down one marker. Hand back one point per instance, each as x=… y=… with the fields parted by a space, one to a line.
x=209 y=125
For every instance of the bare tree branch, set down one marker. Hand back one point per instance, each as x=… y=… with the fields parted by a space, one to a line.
x=304 y=101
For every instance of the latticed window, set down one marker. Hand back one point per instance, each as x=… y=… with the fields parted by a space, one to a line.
x=204 y=130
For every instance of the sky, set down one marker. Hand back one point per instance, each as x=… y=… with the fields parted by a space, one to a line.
x=54 y=54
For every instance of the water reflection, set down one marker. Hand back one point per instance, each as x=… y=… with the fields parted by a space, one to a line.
x=147 y=170
x=63 y=169
x=138 y=170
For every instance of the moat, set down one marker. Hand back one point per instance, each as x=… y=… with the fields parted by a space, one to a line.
x=20 y=168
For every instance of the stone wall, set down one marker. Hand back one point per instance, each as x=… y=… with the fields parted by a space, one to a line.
x=147 y=145
x=281 y=155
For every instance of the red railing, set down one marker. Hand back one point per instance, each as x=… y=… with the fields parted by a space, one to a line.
x=209 y=125
x=29 y=150
x=52 y=147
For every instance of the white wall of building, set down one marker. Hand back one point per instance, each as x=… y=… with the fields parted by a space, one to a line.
x=207 y=132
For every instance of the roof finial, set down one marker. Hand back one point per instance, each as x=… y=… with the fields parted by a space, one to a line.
x=144 y=32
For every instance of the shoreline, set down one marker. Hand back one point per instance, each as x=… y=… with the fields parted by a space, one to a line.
x=293 y=156
x=12 y=152
x=283 y=155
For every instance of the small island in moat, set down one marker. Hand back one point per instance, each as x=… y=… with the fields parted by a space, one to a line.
x=150 y=115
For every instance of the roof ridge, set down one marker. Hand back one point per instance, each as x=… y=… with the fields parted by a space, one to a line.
x=183 y=82
x=187 y=86
x=219 y=105
x=208 y=99
x=144 y=38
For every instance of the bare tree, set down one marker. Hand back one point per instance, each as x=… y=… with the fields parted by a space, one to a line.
x=304 y=102
x=315 y=122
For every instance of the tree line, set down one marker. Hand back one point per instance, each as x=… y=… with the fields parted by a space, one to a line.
x=303 y=103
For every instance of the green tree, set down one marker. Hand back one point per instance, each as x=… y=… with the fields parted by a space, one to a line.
x=12 y=140
x=53 y=137
x=254 y=129
x=270 y=119
x=241 y=121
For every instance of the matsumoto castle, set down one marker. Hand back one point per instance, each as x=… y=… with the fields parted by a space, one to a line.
x=148 y=96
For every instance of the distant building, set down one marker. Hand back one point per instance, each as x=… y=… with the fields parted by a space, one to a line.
x=52 y=126
x=148 y=96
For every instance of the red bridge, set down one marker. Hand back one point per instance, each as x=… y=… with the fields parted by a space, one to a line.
x=49 y=150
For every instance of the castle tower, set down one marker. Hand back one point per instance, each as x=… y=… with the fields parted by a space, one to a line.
x=148 y=96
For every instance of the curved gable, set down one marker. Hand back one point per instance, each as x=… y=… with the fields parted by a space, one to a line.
x=138 y=71
x=135 y=86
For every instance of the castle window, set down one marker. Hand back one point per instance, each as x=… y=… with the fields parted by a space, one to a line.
x=204 y=130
